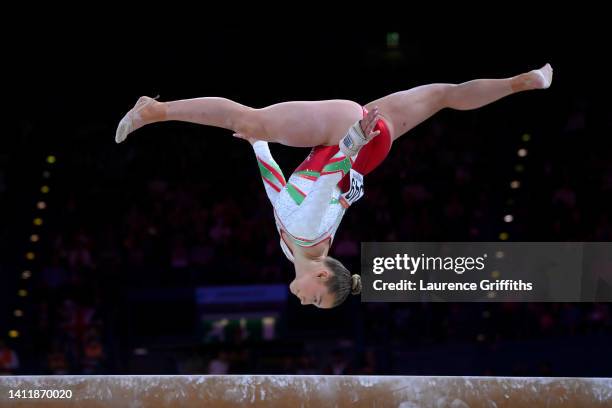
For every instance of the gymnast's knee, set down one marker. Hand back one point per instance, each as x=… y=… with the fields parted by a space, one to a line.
x=443 y=95
x=250 y=122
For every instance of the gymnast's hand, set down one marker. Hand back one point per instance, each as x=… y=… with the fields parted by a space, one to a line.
x=369 y=122
x=360 y=134
x=249 y=139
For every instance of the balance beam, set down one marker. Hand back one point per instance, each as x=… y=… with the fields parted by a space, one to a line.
x=306 y=391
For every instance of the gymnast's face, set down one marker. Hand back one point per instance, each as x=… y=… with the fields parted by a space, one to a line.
x=311 y=289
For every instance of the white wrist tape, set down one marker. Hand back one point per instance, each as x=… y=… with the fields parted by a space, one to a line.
x=353 y=141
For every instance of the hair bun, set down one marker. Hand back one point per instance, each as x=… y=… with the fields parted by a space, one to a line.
x=355 y=284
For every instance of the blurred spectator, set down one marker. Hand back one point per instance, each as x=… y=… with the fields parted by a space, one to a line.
x=9 y=362
x=219 y=365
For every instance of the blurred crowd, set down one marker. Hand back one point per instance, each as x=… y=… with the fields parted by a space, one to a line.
x=190 y=210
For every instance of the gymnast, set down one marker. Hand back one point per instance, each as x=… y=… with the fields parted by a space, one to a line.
x=309 y=206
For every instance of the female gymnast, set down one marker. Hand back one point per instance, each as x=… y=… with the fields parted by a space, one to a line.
x=309 y=206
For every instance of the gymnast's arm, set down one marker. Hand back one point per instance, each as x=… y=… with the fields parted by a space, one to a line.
x=271 y=174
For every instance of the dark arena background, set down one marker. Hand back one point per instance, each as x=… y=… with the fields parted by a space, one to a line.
x=159 y=257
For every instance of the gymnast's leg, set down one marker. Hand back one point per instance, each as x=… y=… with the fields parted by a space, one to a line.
x=406 y=109
x=299 y=124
